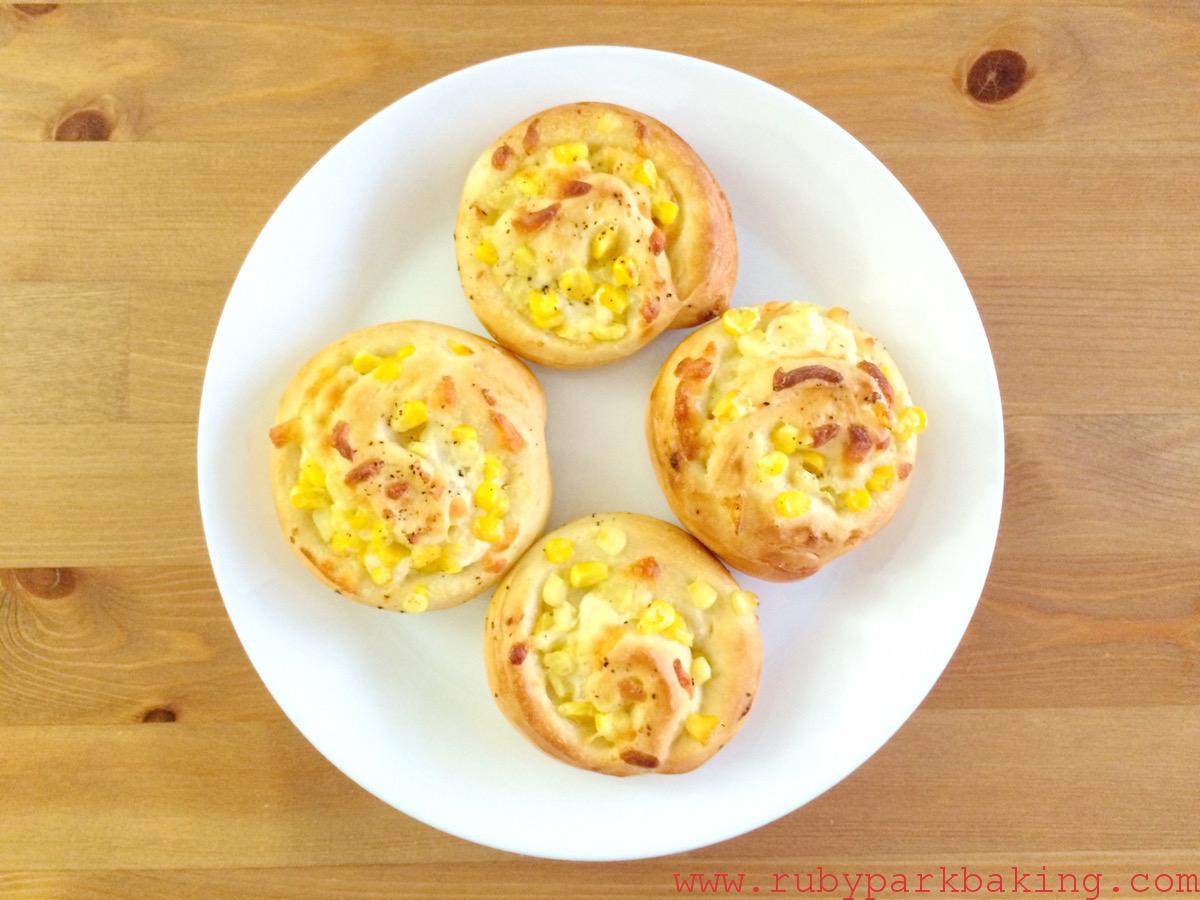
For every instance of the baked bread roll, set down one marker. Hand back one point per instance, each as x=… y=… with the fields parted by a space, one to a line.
x=409 y=465
x=782 y=436
x=619 y=644
x=588 y=229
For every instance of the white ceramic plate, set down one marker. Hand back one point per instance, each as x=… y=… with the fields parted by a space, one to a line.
x=400 y=703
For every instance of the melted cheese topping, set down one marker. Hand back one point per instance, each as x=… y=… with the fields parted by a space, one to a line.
x=588 y=269
x=396 y=480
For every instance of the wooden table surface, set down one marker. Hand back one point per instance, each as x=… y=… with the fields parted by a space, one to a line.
x=142 y=147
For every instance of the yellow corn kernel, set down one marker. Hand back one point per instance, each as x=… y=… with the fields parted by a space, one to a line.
x=570 y=153
x=404 y=352
x=493 y=469
x=609 y=332
x=487 y=254
x=459 y=348
x=387 y=370
x=637 y=717
x=524 y=258
x=576 y=283
x=559 y=550
x=564 y=617
x=451 y=561
x=603 y=241
x=529 y=182
x=740 y=319
x=554 y=591
x=380 y=574
x=701 y=727
x=856 y=499
x=560 y=662
x=702 y=594
x=587 y=574
x=462 y=433
x=786 y=438
x=490 y=497
x=774 y=463
x=812 y=461
x=610 y=539
x=753 y=344
x=364 y=362
x=701 y=670
x=679 y=632
x=657 y=617
x=416 y=600
x=911 y=420
x=730 y=407
x=426 y=556
x=646 y=173
x=545 y=622
x=881 y=479
x=743 y=601
x=544 y=308
x=360 y=519
x=390 y=554
x=625 y=272
x=612 y=298
x=412 y=414
x=488 y=528
x=346 y=543
x=419 y=448
x=666 y=211
x=605 y=725
x=577 y=709
x=792 y=503
x=307 y=497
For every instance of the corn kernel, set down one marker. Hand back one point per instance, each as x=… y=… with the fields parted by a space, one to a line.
x=417 y=600
x=912 y=420
x=609 y=332
x=753 y=344
x=657 y=617
x=603 y=241
x=637 y=718
x=487 y=254
x=570 y=153
x=554 y=591
x=459 y=348
x=666 y=211
x=380 y=574
x=451 y=561
x=405 y=351
x=387 y=370
x=612 y=298
x=492 y=498
x=774 y=463
x=364 y=362
x=587 y=574
x=576 y=283
x=812 y=461
x=625 y=272
x=646 y=173
x=605 y=725
x=559 y=550
x=679 y=632
x=346 y=543
x=881 y=479
x=426 y=556
x=493 y=469
x=462 y=433
x=419 y=448
x=743 y=601
x=560 y=662
x=577 y=709
x=360 y=519
x=390 y=554
x=786 y=438
x=488 y=528
x=610 y=539
x=740 y=319
x=311 y=474
x=412 y=414
x=856 y=500
x=529 y=182
x=702 y=594
x=701 y=670
x=524 y=258
x=565 y=617
x=792 y=503
x=307 y=497
x=701 y=727
x=730 y=407
x=544 y=308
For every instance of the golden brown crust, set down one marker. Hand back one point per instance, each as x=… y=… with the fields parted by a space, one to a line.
x=380 y=444
x=712 y=423
x=655 y=686
x=520 y=196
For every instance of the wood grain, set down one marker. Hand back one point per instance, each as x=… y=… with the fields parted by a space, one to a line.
x=143 y=145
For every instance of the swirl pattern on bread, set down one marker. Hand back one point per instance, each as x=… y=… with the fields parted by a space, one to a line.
x=588 y=229
x=409 y=465
x=783 y=436
x=619 y=644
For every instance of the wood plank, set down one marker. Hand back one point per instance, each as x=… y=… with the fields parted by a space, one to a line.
x=149 y=67
x=147 y=796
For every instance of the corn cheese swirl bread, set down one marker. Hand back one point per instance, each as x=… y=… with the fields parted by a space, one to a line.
x=619 y=644
x=782 y=435
x=409 y=464
x=586 y=230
